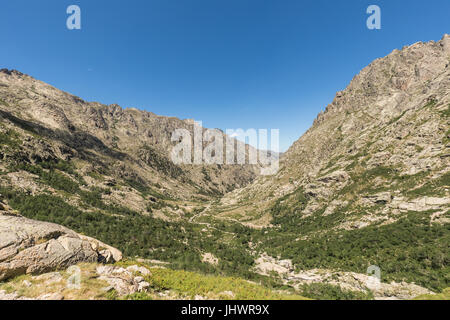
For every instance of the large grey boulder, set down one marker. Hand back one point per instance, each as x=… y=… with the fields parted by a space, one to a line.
x=107 y=253
x=29 y=246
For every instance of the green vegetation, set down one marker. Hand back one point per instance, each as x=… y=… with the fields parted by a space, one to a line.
x=446 y=138
x=289 y=207
x=191 y=284
x=431 y=103
x=411 y=249
x=4 y=103
x=138 y=296
x=9 y=138
x=431 y=187
x=139 y=235
x=51 y=177
x=393 y=120
x=206 y=174
x=444 y=295
x=160 y=163
x=323 y=291
x=178 y=284
x=446 y=113
x=287 y=215
x=91 y=286
x=144 y=189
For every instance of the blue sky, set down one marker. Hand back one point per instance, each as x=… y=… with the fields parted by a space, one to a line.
x=231 y=64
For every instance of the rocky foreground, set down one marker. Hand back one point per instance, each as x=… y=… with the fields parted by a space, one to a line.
x=34 y=247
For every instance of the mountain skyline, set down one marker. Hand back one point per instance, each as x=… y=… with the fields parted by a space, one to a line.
x=233 y=66
x=365 y=189
x=214 y=150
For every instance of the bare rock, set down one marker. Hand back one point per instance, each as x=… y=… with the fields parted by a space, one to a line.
x=143 y=286
x=11 y=296
x=107 y=254
x=51 y=296
x=136 y=269
x=29 y=246
x=123 y=280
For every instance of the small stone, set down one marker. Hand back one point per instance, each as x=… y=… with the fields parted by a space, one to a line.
x=26 y=283
x=142 y=270
x=143 y=286
x=49 y=278
x=107 y=289
x=51 y=296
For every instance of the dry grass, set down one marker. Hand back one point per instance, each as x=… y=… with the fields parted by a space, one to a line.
x=91 y=286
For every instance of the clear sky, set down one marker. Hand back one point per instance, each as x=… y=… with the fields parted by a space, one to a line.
x=231 y=64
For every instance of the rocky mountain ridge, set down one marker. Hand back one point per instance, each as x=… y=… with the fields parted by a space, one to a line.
x=134 y=144
x=394 y=114
x=35 y=247
x=367 y=186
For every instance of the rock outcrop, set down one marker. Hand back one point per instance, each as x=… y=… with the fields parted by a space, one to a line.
x=352 y=281
x=107 y=254
x=33 y=247
x=125 y=280
x=382 y=141
x=128 y=144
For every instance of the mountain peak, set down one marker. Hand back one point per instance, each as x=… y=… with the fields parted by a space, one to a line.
x=398 y=74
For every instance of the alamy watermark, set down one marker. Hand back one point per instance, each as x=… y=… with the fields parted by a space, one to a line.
x=374 y=20
x=212 y=146
x=74 y=20
x=74 y=281
x=374 y=280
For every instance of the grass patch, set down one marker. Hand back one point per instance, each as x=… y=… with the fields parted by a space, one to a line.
x=91 y=286
x=9 y=138
x=445 y=113
x=216 y=287
x=444 y=295
x=49 y=176
x=324 y=291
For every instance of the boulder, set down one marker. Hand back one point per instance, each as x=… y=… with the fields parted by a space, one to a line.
x=34 y=247
x=124 y=280
x=107 y=254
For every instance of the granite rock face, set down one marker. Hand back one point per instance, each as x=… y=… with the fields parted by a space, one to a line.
x=34 y=247
x=130 y=143
x=382 y=146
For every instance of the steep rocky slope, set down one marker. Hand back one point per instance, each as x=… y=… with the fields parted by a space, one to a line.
x=106 y=172
x=381 y=146
x=368 y=183
x=107 y=144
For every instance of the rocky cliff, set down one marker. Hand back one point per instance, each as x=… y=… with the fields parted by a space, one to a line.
x=105 y=146
x=368 y=183
x=381 y=146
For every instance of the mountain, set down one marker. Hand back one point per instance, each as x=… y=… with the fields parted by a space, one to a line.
x=107 y=172
x=107 y=145
x=368 y=183
x=386 y=132
x=364 y=191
